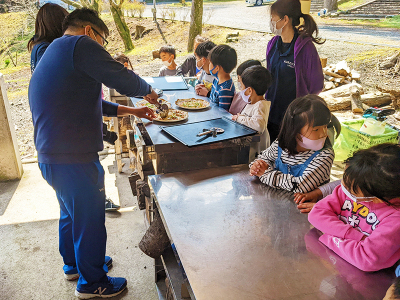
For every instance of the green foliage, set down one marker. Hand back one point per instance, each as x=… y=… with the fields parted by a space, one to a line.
x=6 y=62
x=135 y=8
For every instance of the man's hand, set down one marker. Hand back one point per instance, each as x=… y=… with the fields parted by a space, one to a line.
x=258 y=168
x=152 y=97
x=201 y=90
x=140 y=112
x=144 y=112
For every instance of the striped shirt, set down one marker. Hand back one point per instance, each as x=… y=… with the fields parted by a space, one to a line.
x=222 y=94
x=316 y=174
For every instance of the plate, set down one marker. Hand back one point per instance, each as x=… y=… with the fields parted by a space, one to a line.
x=192 y=103
x=142 y=103
x=174 y=115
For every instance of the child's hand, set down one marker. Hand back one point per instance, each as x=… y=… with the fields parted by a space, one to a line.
x=305 y=207
x=312 y=196
x=201 y=90
x=258 y=168
x=234 y=117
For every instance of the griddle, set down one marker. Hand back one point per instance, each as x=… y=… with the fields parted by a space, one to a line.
x=167 y=83
x=187 y=133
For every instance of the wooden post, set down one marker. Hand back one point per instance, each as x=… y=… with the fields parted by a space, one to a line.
x=10 y=160
x=356 y=103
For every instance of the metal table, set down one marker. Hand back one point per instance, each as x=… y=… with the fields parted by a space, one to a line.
x=238 y=239
x=167 y=155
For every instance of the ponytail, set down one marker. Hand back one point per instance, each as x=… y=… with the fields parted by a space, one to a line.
x=309 y=28
x=292 y=9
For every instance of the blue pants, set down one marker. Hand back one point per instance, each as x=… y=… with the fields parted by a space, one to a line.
x=82 y=232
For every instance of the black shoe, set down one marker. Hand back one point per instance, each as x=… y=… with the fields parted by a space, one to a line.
x=111 y=206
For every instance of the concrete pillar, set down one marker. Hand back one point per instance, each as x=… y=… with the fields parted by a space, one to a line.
x=10 y=160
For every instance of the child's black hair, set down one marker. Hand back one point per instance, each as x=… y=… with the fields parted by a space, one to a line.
x=168 y=49
x=224 y=56
x=258 y=78
x=85 y=16
x=375 y=172
x=396 y=284
x=248 y=63
x=204 y=49
x=309 y=110
x=122 y=58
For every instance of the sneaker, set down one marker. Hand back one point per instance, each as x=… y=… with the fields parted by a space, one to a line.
x=71 y=273
x=110 y=288
x=111 y=206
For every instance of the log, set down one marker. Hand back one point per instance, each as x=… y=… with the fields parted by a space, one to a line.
x=139 y=31
x=390 y=62
x=371 y=99
x=332 y=74
x=342 y=91
x=329 y=85
x=324 y=61
x=342 y=68
x=355 y=98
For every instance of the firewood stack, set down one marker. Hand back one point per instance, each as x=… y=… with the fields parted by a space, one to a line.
x=339 y=74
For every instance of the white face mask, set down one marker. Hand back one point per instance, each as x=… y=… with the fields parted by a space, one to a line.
x=274 y=30
x=201 y=67
x=311 y=144
x=244 y=97
x=355 y=198
x=167 y=63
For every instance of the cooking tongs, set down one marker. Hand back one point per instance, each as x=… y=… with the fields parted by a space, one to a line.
x=162 y=109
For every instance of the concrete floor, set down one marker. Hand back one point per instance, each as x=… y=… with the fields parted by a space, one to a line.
x=30 y=264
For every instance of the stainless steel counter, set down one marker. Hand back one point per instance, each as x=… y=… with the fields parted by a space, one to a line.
x=238 y=239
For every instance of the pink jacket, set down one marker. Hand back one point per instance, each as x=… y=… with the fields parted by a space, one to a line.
x=344 y=223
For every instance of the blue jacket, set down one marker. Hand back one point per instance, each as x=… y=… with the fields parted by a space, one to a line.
x=65 y=98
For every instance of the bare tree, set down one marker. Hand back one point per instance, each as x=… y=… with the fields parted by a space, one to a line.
x=119 y=20
x=118 y=16
x=331 y=5
x=196 y=24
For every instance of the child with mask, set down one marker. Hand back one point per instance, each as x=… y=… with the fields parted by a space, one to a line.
x=205 y=79
x=301 y=158
x=237 y=102
x=223 y=60
x=167 y=55
x=254 y=82
x=360 y=219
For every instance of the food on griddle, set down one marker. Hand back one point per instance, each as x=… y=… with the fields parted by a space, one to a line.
x=192 y=103
x=142 y=103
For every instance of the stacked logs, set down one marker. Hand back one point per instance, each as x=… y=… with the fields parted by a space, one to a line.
x=339 y=74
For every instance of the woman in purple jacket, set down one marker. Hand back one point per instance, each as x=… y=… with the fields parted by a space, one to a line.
x=292 y=60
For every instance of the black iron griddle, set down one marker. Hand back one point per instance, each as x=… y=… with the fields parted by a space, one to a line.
x=187 y=133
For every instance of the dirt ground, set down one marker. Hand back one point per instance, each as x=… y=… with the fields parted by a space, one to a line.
x=251 y=45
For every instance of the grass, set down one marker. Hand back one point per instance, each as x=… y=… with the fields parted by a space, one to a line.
x=393 y=22
x=372 y=54
x=347 y=4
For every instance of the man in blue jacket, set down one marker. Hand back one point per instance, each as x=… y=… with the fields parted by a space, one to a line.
x=67 y=108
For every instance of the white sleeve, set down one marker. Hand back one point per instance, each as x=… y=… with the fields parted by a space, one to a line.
x=259 y=117
x=328 y=188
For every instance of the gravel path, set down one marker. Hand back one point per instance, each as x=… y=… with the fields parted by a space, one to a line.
x=237 y=14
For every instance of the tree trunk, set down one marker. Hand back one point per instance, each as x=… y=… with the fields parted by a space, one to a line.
x=120 y=23
x=196 y=22
x=331 y=5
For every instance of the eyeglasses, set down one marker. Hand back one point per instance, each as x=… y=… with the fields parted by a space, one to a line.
x=105 y=42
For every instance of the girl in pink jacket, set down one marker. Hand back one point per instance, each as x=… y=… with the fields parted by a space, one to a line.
x=361 y=218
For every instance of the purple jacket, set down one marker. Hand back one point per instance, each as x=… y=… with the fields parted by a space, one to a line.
x=308 y=68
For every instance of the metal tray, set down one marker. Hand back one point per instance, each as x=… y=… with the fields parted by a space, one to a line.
x=187 y=133
x=167 y=83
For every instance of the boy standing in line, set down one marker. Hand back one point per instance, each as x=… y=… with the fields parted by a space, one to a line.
x=223 y=60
